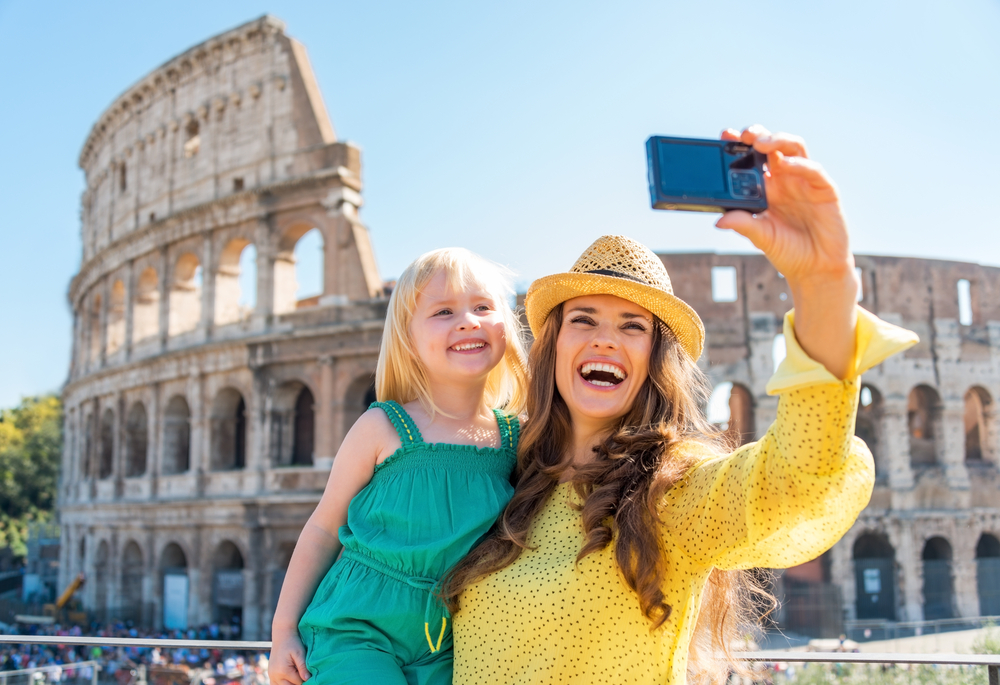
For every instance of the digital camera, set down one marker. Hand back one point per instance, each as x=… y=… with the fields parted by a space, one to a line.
x=702 y=175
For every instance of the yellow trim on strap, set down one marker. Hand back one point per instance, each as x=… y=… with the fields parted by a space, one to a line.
x=427 y=632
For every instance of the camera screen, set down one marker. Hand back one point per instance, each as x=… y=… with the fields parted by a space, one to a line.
x=691 y=169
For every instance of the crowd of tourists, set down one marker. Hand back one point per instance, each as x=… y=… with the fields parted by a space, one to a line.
x=128 y=665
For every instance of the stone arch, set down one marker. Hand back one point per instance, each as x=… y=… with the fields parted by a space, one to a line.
x=978 y=413
x=868 y=426
x=360 y=394
x=185 y=295
x=102 y=569
x=939 y=593
x=227 y=566
x=293 y=421
x=146 y=307
x=288 y=265
x=229 y=430
x=175 y=586
x=94 y=329
x=131 y=583
x=176 y=436
x=106 y=464
x=988 y=574
x=136 y=440
x=924 y=411
x=230 y=301
x=875 y=576
x=116 y=317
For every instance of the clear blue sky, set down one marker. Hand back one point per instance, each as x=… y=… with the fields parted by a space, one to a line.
x=517 y=128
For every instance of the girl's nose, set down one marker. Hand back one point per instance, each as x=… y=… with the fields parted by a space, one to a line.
x=468 y=322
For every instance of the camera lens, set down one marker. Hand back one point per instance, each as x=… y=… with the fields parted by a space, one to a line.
x=744 y=184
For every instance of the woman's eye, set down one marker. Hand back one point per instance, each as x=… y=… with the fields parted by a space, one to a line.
x=635 y=326
x=582 y=319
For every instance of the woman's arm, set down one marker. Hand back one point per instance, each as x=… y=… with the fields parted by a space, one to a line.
x=318 y=544
x=804 y=235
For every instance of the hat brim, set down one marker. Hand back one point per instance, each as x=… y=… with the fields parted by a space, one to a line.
x=549 y=291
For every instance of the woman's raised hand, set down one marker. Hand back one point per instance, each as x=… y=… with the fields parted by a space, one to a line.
x=804 y=235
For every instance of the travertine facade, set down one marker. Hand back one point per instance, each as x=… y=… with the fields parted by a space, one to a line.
x=926 y=547
x=200 y=432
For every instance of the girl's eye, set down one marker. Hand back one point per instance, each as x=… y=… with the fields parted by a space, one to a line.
x=442 y=312
x=484 y=308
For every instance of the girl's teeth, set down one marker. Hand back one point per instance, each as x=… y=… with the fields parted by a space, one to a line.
x=469 y=346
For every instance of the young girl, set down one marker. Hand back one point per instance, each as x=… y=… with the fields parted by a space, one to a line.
x=418 y=481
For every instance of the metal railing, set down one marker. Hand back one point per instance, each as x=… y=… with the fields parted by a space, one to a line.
x=29 y=674
x=989 y=661
x=880 y=629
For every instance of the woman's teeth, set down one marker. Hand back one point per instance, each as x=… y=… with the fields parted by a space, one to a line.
x=602 y=375
x=468 y=346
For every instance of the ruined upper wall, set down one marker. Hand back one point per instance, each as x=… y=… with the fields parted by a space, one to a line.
x=919 y=294
x=239 y=111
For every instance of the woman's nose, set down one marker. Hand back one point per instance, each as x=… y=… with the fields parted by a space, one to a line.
x=604 y=339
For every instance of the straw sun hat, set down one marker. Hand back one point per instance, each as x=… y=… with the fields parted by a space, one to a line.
x=616 y=265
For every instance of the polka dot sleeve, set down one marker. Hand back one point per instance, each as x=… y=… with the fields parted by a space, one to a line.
x=790 y=496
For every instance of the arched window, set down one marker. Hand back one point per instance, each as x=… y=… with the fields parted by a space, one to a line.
x=173 y=566
x=185 y=295
x=360 y=394
x=176 y=436
x=107 y=445
x=292 y=425
x=146 y=309
x=924 y=418
x=868 y=426
x=228 y=587
x=978 y=405
x=236 y=282
x=988 y=574
x=229 y=429
x=116 y=317
x=136 y=440
x=132 y=573
x=938 y=586
x=875 y=577
x=298 y=269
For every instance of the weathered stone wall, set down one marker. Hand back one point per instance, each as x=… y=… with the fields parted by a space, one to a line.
x=200 y=432
x=936 y=465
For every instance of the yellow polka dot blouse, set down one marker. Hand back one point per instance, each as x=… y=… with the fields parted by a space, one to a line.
x=775 y=503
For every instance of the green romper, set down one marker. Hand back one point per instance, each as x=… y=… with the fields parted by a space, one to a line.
x=375 y=618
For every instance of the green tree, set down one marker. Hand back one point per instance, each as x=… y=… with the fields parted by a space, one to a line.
x=30 y=448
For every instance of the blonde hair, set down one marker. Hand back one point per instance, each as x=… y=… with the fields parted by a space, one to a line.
x=401 y=376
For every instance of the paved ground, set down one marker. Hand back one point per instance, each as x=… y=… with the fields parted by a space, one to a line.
x=957 y=642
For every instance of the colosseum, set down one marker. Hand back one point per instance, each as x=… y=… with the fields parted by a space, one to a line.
x=206 y=398
x=199 y=429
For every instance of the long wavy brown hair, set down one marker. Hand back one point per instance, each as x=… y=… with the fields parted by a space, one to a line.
x=647 y=451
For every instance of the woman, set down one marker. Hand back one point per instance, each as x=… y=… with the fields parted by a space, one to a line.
x=621 y=546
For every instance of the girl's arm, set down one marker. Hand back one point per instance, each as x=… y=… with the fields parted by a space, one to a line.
x=318 y=544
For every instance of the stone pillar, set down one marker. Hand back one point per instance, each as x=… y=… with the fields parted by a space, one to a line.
x=129 y=306
x=254 y=579
x=896 y=444
x=154 y=443
x=200 y=440
x=258 y=415
x=842 y=573
x=165 y=281
x=908 y=557
x=951 y=444
x=208 y=271
x=265 y=269
x=118 y=453
x=105 y=294
x=324 y=420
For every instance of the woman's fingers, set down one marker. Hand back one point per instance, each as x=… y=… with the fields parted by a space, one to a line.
x=785 y=143
x=806 y=169
x=756 y=228
x=730 y=134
